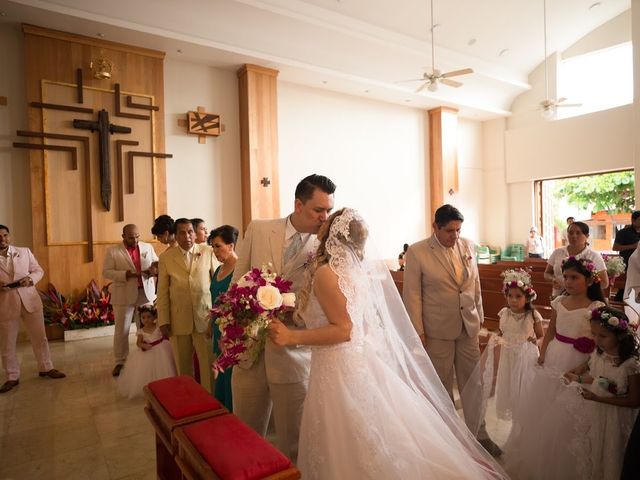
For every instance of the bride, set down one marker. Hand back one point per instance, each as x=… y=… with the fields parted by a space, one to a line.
x=375 y=406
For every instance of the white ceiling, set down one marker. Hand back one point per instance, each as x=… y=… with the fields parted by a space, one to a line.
x=358 y=47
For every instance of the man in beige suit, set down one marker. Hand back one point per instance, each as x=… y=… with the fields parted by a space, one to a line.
x=184 y=300
x=278 y=379
x=442 y=294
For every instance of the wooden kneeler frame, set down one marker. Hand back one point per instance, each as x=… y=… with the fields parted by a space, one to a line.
x=164 y=426
x=188 y=456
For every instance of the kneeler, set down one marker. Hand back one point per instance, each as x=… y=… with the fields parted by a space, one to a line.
x=224 y=448
x=171 y=403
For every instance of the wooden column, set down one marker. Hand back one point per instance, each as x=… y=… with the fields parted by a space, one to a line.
x=443 y=156
x=258 y=90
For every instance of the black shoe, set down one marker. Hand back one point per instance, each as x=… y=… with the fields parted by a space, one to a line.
x=8 y=385
x=490 y=446
x=53 y=373
x=117 y=369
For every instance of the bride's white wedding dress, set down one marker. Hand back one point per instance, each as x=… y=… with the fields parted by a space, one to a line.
x=375 y=407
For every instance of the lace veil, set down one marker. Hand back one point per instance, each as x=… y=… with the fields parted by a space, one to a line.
x=374 y=303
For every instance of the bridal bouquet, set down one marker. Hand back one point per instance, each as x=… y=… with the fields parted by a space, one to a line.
x=243 y=312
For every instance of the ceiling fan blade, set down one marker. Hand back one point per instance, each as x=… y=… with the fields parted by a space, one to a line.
x=569 y=105
x=456 y=73
x=410 y=80
x=422 y=87
x=451 y=83
x=561 y=99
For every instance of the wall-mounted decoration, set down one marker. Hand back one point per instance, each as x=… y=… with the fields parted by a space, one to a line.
x=96 y=148
x=202 y=123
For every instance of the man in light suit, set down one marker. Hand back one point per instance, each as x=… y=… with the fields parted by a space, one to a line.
x=19 y=272
x=184 y=300
x=278 y=378
x=441 y=292
x=131 y=266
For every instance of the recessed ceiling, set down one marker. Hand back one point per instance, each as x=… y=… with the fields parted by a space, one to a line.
x=352 y=45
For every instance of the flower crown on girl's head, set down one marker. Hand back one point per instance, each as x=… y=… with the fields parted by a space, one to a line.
x=518 y=278
x=613 y=320
x=587 y=264
x=148 y=308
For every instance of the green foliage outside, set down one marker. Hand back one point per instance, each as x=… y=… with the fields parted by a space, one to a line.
x=612 y=192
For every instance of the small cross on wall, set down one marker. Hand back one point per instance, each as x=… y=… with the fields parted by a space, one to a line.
x=265 y=182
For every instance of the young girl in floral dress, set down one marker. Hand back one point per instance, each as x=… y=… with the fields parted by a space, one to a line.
x=606 y=401
x=539 y=443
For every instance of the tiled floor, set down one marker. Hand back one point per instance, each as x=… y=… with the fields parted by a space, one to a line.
x=79 y=428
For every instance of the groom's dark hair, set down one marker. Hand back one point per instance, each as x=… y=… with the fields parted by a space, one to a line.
x=447 y=213
x=308 y=185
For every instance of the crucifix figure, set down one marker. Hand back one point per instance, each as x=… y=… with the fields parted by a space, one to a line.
x=104 y=128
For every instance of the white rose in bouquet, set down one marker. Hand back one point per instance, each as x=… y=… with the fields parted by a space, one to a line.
x=289 y=299
x=269 y=297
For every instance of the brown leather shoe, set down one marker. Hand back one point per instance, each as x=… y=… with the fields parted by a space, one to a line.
x=117 y=369
x=8 y=385
x=53 y=373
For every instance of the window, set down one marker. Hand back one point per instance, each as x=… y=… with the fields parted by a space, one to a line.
x=598 y=80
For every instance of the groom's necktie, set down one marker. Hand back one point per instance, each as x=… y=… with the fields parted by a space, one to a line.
x=295 y=244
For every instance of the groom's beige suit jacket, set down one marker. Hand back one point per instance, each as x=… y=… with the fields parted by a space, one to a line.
x=263 y=243
x=438 y=306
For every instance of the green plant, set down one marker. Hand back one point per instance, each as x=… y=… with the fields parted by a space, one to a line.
x=613 y=192
x=58 y=310
x=92 y=309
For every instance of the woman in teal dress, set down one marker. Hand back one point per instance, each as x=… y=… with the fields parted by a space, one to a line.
x=223 y=241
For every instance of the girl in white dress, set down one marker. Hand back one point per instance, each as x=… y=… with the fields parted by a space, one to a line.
x=520 y=329
x=152 y=361
x=375 y=408
x=605 y=414
x=538 y=447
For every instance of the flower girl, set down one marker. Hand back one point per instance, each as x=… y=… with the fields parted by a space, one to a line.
x=152 y=361
x=538 y=447
x=609 y=383
x=514 y=350
x=520 y=328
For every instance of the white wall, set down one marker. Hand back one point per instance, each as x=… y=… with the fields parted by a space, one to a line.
x=15 y=181
x=203 y=180
x=375 y=153
x=537 y=149
x=496 y=216
x=471 y=193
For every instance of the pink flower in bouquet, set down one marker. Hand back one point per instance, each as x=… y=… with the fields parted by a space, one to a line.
x=243 y=312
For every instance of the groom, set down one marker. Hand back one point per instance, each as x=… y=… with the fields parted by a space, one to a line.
x=278 y=378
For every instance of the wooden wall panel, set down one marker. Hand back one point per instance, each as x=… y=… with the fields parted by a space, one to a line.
x=443 y=155
x=259 y=142
x=52 y=59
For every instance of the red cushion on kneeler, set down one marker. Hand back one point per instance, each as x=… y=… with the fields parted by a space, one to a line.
x=233 y=450
x=182 y=397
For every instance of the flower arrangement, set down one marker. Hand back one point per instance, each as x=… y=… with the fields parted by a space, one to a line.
x=587 y=264
x=92 y=309
x=612 y=319
x=518 y=278
x=243 y=312
x=615 y=266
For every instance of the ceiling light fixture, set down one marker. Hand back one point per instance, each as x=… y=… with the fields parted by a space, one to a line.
x=503 y=51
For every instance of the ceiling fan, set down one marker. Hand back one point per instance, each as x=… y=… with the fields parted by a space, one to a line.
x=433 y=79
x=549 y=105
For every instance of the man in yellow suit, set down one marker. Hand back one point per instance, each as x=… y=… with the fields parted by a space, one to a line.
x=184 y=300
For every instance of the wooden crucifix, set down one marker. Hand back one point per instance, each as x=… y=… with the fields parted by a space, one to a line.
x=104 y=128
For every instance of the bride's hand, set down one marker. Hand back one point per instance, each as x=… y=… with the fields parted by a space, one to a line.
x=279 y=333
